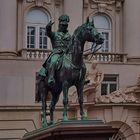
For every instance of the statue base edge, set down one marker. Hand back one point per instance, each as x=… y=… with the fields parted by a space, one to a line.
x=73 y=130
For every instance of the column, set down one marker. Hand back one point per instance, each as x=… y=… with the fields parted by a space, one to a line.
x=8 y=25
x=131 y=27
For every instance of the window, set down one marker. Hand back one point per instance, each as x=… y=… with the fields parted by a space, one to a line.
x=103 y=25
x=36 y=36
x=109 y=84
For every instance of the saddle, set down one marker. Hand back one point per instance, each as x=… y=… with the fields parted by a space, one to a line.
x=58 y=62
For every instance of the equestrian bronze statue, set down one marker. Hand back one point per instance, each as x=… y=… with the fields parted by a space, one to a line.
x=69 y=70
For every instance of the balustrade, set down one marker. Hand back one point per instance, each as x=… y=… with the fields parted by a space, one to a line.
x=34 y=53
x=107 y=57
x=102 y=57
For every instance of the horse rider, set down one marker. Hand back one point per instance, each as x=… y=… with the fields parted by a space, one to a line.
x=60 y=41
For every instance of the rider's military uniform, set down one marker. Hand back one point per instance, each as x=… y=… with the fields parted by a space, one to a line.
x=60 y=41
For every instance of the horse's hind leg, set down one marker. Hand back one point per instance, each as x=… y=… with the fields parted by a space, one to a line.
x=80 y=99
x=65 y=100
x=54 y=100
x=42 y=90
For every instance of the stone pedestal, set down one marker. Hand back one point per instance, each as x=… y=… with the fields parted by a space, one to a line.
x=73 y=130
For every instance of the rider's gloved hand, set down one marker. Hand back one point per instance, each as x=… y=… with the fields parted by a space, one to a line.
x=49 y=25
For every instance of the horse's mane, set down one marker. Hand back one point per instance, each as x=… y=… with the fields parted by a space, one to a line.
x=78 y=29
x=76 y=32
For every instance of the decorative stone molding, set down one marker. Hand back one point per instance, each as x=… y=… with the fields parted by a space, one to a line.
x=120 y=96
x=39 y=2
x=73 y=98
x=30 y=1
x=136 y=121
x=129 y=95
x=104 y=5
x=86 y=3
x=58 y=2
x=119 y=5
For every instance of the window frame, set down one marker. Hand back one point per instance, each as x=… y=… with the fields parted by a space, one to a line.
x=109 y=31
x=108 y=83
x=37 y=26
x=109 y=40
x=37 y=34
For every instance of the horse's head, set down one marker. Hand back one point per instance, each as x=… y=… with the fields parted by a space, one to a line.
x=91 y=34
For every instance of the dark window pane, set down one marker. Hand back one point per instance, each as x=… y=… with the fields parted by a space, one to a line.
x=110 y=78
x=32 y=46
x=113 y=87
x=27 y=39
x=40 y=40
x=32 y=40
x=32 y=31
x=103 y=89
x=106 y=36
x=40 y=32
x=45 y=40
x=45 y=47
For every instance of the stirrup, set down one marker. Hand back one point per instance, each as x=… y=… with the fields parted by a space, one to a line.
x=51 y=81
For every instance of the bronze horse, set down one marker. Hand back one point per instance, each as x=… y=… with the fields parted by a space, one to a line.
x=71 y=71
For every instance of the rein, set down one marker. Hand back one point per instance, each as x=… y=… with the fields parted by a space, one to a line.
x=93 y=49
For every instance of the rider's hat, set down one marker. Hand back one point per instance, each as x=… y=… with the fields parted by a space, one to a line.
x=64 y=19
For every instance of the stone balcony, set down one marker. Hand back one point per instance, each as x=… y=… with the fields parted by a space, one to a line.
x=107 y=57
x=36 y=54
x=41 y=54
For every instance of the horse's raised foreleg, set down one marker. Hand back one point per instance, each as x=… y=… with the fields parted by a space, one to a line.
x=80 y=99
x=54 y=100
x=65 y=100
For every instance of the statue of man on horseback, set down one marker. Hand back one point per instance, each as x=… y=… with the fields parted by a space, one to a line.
x=68 y=51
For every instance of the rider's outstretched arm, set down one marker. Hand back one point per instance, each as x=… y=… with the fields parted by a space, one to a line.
x=49 y=29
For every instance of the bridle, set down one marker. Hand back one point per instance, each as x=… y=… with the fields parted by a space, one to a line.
x=94 y=48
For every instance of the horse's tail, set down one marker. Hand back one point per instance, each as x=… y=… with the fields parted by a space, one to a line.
x=40 y=87
x=38 y=93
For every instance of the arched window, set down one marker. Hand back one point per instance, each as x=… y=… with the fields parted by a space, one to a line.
x=103 y=25
x=36 y=37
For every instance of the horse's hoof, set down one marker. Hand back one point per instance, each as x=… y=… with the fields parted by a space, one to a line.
x=65 y=118
x=44 y=125
x=83 y=117
x=51 y=123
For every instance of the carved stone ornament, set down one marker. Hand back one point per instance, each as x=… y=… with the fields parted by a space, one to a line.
x=130 y=94
x=119 y=96
x=119 y=5
x=103 y=5
x=58 y=2
x=86 y=2
x=30 y=1
x=39 y=2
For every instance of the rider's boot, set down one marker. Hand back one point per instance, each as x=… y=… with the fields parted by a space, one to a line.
x=51 y=71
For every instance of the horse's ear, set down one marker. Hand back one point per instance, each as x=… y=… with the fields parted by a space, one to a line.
x=87 y=20
x=93 y=20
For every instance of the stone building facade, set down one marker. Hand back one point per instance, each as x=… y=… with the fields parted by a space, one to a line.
x=24 y=47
